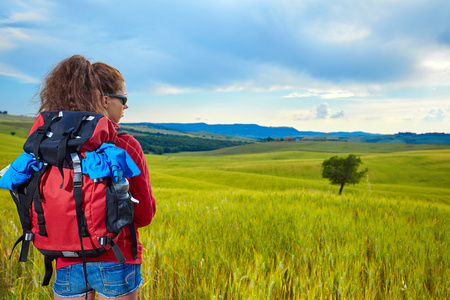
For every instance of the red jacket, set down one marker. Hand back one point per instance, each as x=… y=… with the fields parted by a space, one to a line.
x=141 y=190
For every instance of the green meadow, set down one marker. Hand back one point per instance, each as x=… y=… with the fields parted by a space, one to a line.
x=259 y=222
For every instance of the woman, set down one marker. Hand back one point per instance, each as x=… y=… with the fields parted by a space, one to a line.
x=77 y=85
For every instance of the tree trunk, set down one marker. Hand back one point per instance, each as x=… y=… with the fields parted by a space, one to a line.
x=342 y=187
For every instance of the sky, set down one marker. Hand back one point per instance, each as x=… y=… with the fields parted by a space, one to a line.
x=379 y=66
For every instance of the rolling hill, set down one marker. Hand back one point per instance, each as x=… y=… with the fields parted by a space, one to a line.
x=175 y=137
x=254 y=131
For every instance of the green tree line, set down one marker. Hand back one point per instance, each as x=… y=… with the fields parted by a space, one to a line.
x=159 y=143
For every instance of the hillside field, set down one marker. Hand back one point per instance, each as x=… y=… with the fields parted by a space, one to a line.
x=16 y=125
x=258 y=222
x=416 y=171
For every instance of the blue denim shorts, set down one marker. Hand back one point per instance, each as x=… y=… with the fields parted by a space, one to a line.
x=110 y=280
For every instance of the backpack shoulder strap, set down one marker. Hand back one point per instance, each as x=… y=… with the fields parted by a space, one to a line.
x=42 y=132
x=120 y=131
x=131 y=226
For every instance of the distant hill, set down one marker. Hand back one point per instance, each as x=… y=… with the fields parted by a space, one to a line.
x=263 y=132
x=407 y=138
x=248 y=130
x=226 y=135
x=242 y=130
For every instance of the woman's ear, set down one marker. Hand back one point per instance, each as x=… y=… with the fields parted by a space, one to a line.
x=104 y=100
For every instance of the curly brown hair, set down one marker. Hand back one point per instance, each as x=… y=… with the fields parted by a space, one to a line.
x=76 y=85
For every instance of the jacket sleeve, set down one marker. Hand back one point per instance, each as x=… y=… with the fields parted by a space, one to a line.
x=140 y=187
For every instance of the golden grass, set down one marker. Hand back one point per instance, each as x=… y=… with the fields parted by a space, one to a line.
x=258 y=227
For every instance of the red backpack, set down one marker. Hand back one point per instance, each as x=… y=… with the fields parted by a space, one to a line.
x=63 y=212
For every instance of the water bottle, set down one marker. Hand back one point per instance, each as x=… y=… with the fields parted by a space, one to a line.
x=121 y=186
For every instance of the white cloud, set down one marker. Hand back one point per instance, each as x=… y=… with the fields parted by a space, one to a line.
x=11 y=72
x=298 y=95
x=337 y=115
x=433 y=67
x=435 y=115
x=19 y=17
x=249 y=87
x=319 y=112
x=438 y=60
x=337 y=94
x=165 y=89
x=322 y=111
x=9 y=37
x=324 y=94
x=338 y=32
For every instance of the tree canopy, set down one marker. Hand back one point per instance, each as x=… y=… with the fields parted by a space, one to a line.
x=343 y=170
x=159 y=143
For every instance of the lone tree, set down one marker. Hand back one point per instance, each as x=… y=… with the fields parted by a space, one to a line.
x=342 y=170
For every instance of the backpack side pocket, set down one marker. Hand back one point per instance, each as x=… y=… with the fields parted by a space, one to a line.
x=119 y=209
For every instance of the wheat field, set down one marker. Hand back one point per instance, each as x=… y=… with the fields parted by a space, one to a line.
x=264 y=225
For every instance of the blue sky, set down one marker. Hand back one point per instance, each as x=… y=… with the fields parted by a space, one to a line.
x=376 y=66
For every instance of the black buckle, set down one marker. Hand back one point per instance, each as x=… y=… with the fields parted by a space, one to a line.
x=58 y=116
x=77 y=179
x=77 y=171
x=29 y=236
x=104 y=240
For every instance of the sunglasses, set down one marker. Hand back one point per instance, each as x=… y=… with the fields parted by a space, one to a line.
x=124 y=98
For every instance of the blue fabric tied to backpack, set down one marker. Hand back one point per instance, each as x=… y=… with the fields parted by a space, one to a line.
x=107 y=161
x=19 y=171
